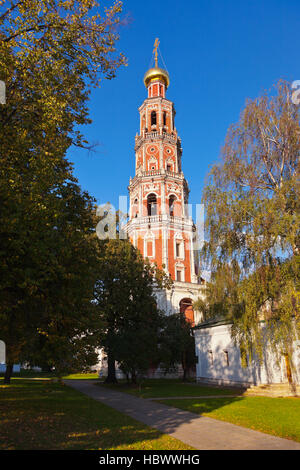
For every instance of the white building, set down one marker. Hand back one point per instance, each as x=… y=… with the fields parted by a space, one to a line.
x=219 y=360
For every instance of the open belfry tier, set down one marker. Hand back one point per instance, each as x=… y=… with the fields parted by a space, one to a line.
x=159 y=225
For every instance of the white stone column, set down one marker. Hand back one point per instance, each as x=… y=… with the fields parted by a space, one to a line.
x=161 y=155
x=141 y=201
x=192 y=260
x=163 y=197
x=159 y=118
x=144 y=160
x=176 y=159
x=182 y=202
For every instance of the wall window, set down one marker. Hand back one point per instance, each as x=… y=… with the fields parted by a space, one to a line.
x=225 y=357
x=135 y=207
x=151 y=204
x=178 y=275
x=172 y=200
x=179 y=249
x=179 y=246
x=164 y=118
x=153 y=118
x=186 y=307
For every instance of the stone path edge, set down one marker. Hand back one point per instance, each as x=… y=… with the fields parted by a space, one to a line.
x=200 y=432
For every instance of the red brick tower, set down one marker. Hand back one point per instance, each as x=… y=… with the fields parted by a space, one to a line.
x=159 y=225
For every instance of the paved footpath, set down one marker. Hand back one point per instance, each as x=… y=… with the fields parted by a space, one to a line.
x=200 y=432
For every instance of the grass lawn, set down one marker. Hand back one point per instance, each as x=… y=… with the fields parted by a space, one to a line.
x=277 y=416
x=153 y=388
x=29 y=373
x=38 y=414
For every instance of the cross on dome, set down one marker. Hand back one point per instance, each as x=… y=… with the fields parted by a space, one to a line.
x=156 y=73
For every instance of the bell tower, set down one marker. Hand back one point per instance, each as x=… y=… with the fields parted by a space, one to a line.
x=159 y=224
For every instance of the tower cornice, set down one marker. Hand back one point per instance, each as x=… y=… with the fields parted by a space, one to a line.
x=156 y=100
x=156 y=136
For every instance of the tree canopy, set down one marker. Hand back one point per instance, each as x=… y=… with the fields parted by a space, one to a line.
x=177 y=344
x=126 y=304
x=51 y=53
x=252 y=224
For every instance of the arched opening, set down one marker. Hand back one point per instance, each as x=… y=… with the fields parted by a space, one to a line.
x=172 y=200
x=186 y=307
x=153 y=118
x=135 y=208
x=151 y=204
x=164 y=118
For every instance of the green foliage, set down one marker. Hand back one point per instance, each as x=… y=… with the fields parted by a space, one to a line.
x=177 y=344
x=124 y=295
x=252 y=224
x=51 y=52
x=47 y=270
x=220 y=293
x=157 y=388
x=54 y=416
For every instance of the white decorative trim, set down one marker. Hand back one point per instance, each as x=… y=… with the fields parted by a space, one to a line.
x=150 y=188
x=152 y=161
x=178 y=237
x=149 y=236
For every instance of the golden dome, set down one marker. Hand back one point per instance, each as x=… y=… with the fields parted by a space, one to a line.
x=156 y=73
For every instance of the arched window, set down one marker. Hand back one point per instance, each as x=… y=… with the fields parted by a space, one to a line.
x=172 y=200
x=151 y=204
x=186 y=307
x=135 y=207
x=153 y=118
x=164 y=118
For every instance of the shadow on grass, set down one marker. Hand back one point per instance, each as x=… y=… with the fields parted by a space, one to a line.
x=32 y=374
x=43 y=415
x=277 y=416
x=152 y=388
x=156 y=414
x=201 y=406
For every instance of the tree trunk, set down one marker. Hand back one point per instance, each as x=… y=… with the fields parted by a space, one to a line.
x=133 y=377
x=111 y=370
x=183 y=363
x=289 y=373
x=288 y=369
x=8 y=373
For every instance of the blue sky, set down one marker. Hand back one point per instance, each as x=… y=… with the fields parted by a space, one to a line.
x=218 y=54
